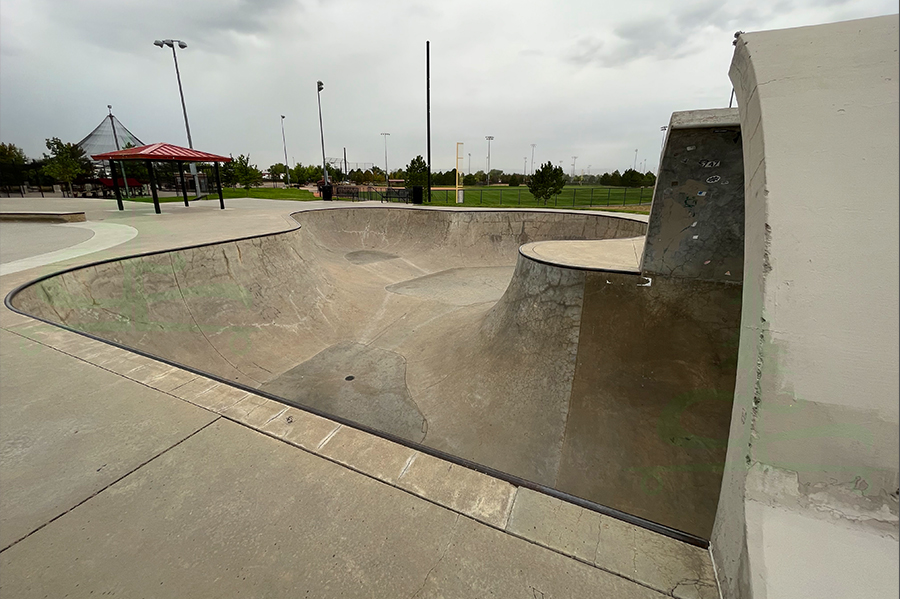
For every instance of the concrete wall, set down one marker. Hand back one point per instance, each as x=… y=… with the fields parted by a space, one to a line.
x=812 y=462
x=696 y=227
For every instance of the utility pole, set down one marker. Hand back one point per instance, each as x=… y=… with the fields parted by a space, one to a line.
x=287 y=168
x=532 y=159
x=489 y=138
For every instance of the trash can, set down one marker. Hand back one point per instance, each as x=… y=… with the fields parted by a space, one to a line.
x=418 y=192
x=326 y=192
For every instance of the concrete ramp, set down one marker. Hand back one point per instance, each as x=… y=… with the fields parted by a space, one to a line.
x=434 y=327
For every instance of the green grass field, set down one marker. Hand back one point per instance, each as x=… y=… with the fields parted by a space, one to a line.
x=573 y=196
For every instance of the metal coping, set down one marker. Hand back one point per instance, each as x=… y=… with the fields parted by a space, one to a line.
x=517 y=481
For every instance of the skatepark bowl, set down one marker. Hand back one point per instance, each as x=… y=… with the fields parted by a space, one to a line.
x=452 y=331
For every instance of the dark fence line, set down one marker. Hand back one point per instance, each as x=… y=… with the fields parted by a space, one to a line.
x=570 y=197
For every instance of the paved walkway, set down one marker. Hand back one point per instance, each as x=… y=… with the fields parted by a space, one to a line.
x=126 y=476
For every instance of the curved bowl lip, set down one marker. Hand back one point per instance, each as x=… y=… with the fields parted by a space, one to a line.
x=656 y=527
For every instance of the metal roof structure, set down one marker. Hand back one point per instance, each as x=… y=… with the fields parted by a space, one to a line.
x=108 y=136
x=162 y=152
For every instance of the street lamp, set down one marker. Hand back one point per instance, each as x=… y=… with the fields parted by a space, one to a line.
x=287 y=169
x=187 y=126
x=387 y=180
x=532 y=159
x=319 y=88
x=489 y=138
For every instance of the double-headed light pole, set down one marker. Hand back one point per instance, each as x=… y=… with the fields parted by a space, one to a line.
x=187 y=126
x=319 y=87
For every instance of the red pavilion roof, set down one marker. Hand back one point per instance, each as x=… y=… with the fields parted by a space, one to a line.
x=162 y=152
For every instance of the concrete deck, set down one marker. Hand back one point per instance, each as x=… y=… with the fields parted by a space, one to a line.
x=120 y=474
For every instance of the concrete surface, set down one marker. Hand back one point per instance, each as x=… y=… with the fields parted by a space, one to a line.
x=96 y=237
x=600 y=254
x=42 y=217
x=810 y=490
x=696 y=227
x=218 y=492
x=23 y=240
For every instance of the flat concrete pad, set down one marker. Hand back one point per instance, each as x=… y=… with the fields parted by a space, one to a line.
x=65 y=436
x=605 y=254
x=230 y=512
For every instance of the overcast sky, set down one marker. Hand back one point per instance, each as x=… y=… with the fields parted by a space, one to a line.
x=588 y=78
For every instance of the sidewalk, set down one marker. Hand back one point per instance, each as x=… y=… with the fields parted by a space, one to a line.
x=123 y=475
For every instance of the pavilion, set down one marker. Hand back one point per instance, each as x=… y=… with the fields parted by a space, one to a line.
x=162 y=152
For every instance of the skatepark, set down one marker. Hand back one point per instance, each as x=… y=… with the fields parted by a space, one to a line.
x=419 y=402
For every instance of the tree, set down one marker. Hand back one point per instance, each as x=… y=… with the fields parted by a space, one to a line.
x=514 y=180
x=631 y=178
x=277 y=171
x=470 y=179
x=416 y=172
x=66 y=161
x=649 y=179
x=246 y=174
x=547 y=182
x=12 y=164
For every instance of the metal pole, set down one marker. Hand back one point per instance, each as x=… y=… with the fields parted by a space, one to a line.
x=319 y=87
x=153 y=187
x=489 y=138
x=112 y=122
x=183 y=185
x=428 y=104
x=287 y=168
x=387 y=180
x=115 y=178
x=219 y=185
x=187 y=125
x=532 y=159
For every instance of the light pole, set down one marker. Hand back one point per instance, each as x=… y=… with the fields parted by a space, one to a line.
x=187 y=126
x=319 y=88
x=489 y=138
x=525 y=168
x=287 y=168
x=532 y=159
x=574 y=158
x=634 y=166
x=387 y=180
x=470 y=163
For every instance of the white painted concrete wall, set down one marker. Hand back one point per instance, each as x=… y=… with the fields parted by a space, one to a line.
x=811 y=479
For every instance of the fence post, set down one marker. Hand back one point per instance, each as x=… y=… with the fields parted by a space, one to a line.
x=481 y=197
x=501 y=197
x=592 y=197
x=520 y=196
x=608 y=192
x=574 y=190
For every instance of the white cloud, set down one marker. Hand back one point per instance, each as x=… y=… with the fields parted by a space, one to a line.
x=587 y=79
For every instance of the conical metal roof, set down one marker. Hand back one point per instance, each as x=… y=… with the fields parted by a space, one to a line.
x=104 y=138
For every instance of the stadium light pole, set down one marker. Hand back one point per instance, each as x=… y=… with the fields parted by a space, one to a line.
x=574 y=159
x=532 y=159
x=319 y=87
x=525 y=169
x=489 y=138
x=387 y=180
x=634 y=166
x=187 y=126
x=287 y=167
x=470 y=163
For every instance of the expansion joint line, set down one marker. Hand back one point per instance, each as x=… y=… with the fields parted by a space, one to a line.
x=95 y=493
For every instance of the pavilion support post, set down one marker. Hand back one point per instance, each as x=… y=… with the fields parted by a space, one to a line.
x=183 y=187
x=153 y=187
x=115 y=178
x=219 y=186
